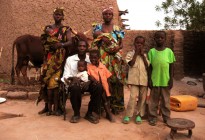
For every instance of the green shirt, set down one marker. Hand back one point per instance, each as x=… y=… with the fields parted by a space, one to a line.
x=160 y=61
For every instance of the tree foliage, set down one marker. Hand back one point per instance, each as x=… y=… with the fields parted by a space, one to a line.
x=183 y=14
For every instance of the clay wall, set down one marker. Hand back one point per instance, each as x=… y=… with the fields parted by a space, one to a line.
x=19 y=17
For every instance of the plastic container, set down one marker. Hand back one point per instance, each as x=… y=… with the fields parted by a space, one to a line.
x=183 y=103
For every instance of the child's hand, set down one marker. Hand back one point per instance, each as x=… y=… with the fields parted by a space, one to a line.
x=170 y=83
x=141 y=51
x=91 y=78
x=138 y=51
x=150 y=85
x=67 y=81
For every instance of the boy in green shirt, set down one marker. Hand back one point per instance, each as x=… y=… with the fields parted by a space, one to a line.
x=161 y=78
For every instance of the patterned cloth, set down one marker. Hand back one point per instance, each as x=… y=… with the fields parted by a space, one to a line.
x=52 y=68
x=113 y=61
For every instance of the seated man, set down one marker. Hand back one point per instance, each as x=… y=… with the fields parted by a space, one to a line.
x=96 y=90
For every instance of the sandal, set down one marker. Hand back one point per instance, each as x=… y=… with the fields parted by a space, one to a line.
x=138 y=120
x=126 y=120
x=48 y=113
x=44 y=110
x=75 y=119
x=91 y=119
x=56 y=113
x=115 y=111
x=152 y=122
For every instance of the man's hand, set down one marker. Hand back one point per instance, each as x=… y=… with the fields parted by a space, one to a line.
x=76 y=81
x=85 y=85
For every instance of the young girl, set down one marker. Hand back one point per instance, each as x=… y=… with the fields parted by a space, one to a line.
x=161 y=79
x=137 y=80
x=98 y=73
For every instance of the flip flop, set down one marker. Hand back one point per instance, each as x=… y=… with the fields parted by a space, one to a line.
x=91 y=119
x=75 y=119
x=138 y=120
x=126 y=120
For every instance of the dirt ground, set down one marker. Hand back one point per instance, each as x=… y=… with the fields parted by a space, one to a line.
x=40 y=127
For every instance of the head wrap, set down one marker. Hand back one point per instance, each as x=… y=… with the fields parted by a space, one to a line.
x=59 y=10
x=108 y=9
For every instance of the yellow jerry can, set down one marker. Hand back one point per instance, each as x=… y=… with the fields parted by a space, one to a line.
x=183 y=102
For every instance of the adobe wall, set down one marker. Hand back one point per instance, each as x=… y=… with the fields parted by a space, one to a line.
x=19 y=17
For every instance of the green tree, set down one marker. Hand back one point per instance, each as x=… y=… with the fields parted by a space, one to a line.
x=183 y=14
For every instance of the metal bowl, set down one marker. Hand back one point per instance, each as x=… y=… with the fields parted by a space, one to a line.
x=2 y=100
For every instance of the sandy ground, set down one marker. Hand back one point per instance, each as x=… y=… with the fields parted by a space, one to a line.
x=40 y=127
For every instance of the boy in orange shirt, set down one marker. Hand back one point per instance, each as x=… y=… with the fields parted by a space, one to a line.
x=98 y=73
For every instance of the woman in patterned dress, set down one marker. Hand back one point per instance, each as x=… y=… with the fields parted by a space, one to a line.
x=108 y=39
x=55 y=38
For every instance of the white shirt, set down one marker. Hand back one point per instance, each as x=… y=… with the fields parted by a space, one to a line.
x=83 y=76
x=70 y=68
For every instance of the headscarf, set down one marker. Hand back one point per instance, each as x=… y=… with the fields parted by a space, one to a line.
x=59 y=10
x=107 y=9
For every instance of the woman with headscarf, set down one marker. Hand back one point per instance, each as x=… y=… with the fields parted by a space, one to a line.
x=108 y=39
x=55 y=38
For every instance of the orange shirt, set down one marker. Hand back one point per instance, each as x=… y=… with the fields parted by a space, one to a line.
x=104 y=74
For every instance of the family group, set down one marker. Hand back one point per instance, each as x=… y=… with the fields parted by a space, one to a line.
x=98 y=69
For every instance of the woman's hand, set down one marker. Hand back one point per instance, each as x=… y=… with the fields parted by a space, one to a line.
x=106 y=41
x=97 y=33
x=116 y=49
x=57 y=45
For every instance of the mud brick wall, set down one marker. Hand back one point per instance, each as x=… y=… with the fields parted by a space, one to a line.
x=19 y=17
x=194 y=53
